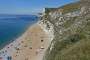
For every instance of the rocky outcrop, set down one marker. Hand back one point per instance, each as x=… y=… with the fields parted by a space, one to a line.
x=67 y=25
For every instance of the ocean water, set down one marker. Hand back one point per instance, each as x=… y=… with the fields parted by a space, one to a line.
x=12 y=26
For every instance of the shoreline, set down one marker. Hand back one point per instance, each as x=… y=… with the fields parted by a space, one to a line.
x=30 y=33
x=18 y=35
x=14 y=39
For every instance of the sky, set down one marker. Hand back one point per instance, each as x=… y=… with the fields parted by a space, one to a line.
x=29 y=6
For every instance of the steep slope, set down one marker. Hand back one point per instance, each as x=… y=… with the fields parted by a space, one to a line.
x=71 y=33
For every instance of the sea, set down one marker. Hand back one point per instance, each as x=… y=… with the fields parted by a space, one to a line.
x=12 y=26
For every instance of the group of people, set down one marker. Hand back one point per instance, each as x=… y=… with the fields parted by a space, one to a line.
x=6 y=58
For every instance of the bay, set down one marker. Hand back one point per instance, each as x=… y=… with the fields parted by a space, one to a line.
x=12 y=26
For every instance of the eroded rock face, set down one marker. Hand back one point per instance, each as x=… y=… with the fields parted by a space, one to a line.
x=64 y=25
x=85 y=4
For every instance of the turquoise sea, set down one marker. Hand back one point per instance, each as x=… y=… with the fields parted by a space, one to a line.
x=12 y=26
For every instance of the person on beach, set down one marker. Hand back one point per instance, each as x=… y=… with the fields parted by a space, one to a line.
x=9 y=58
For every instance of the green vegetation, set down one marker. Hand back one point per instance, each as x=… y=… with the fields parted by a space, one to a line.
x=68 y=23
x=71 y=7
x=75 y=46
x=74 y=42
x=66 y=8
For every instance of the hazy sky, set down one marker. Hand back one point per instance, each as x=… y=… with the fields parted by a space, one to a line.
x=28 y=6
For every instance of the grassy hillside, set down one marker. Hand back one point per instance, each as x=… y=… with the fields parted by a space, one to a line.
x=75 y=47
x=72 y=46
x=66 y=8
x=74 y=42
x=70 y=7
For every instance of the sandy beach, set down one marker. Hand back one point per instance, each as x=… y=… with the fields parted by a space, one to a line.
x=30 y=46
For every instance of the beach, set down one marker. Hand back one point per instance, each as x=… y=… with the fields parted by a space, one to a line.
x=31 y=45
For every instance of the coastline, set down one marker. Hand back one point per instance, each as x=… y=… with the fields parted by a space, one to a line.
x=29 y=41
x=20 y=35
x=15 y=34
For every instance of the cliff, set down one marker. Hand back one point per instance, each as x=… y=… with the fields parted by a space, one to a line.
x=70 y=26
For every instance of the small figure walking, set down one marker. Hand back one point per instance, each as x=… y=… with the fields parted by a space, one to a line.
x=9 y=58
